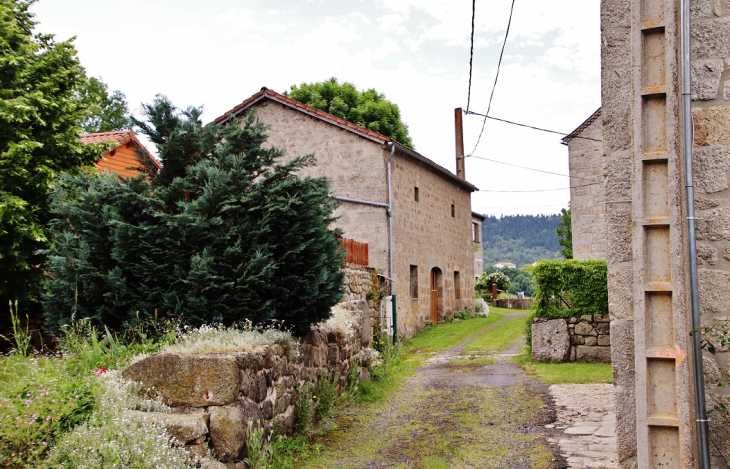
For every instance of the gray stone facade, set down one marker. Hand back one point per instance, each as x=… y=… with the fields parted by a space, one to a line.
x=431 y=230
x=585 y=160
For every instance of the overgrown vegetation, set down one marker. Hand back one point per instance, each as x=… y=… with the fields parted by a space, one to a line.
x=565 y=234
x=571 y=288
x=225 y=232
x=499 y=338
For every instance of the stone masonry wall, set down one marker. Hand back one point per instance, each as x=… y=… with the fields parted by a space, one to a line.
x=577 y=339
x=215 y=395
x=586 y=198
x=711 y=113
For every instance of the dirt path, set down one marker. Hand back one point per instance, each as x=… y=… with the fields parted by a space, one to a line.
x=458 y=411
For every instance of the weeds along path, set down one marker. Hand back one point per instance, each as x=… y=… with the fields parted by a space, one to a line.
x=459 y=410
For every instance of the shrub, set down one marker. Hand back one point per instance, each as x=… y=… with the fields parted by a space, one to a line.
x=484 y=283
x=219 y=338
x=482 y=308
x=224 y=232
x=461 y=315
x=325 y=394
x=571 y=288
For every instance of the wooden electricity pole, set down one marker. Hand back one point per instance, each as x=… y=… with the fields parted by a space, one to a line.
x=460 y=170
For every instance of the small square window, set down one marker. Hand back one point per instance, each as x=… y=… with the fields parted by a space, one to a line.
x=415 y=194
x=453 y=211
x=414 y=281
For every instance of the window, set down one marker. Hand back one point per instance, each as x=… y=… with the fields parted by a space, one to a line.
x=475 y=232
x=453 y=211
x=414 y=281
x=457 y=285
x=415 y=193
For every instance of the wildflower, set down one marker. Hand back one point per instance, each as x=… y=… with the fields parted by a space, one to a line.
x=99 y=371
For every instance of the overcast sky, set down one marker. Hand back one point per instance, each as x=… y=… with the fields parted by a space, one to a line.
x=216 y=53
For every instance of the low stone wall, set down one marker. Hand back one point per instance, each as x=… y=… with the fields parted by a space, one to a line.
x=576 y=339
x=215 y=395
x=513 y=303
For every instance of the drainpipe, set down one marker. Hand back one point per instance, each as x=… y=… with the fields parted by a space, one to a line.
x=702 y=427
x=390 y=219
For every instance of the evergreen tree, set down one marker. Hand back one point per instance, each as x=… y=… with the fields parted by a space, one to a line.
x=565 y=234
x=367 y=109
x=40 y=116
x=223 y=233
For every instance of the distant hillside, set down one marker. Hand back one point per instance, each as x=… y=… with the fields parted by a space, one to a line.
x=521 y=239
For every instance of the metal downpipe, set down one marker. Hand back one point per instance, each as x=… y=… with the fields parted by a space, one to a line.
x=390 y=219
x=701 y=412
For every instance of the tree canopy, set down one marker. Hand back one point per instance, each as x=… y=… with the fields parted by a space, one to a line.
x=521 y=239
x=367 y=108
x=105 y=112
x=565 y=234
x=224 y=232
x=40 y=116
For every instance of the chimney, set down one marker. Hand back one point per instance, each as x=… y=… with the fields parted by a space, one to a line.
x=459 y=144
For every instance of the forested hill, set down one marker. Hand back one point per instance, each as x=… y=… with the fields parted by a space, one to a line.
x=521 y=239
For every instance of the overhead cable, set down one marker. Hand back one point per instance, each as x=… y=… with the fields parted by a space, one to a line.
x=527 y=167
x=526 y=206
x=471 y=52
x=499 y=65
x=530 y=126
x=544 y=190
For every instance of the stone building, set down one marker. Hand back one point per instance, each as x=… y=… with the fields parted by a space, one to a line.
x=477 y=219
x=423 y=206
x=585 y=160
x=645 y=214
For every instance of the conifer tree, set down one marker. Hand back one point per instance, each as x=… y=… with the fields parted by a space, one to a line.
x=223 y=233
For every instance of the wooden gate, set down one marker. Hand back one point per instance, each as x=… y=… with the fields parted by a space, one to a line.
x=434 y=297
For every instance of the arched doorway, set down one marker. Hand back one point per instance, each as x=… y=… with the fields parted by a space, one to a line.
x=437 y=289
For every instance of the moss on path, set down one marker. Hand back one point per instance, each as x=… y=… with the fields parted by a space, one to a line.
x=453 y=413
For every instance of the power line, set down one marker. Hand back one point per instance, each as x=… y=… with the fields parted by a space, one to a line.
x=471 y=52
x=499 y=64
x=529 y=126
x=527 y=167
x=544 y=190
x=525 y=206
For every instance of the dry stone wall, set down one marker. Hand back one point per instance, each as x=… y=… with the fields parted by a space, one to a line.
x=577 y=339
x=214 y=396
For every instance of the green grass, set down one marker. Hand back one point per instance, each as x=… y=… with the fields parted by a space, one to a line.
x=444 y=336
x=567 y=373
x=499 y=337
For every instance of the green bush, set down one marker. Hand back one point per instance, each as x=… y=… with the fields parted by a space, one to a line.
x=223 y=233
x=571 y=288
x=461 y=315
x=483 y=286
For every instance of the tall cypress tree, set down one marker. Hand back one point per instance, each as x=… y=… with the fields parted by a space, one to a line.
x=224 y=232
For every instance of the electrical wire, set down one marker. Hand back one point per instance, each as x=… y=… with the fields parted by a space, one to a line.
x=543 y=190
x=471 y=52
x=529 y=126
x=499 y=65
x=526 y=206
x=527 y=167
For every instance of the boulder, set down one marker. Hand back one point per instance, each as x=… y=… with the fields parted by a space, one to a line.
x=550 y=340
x=227 y=432
x=183 y=427
x=187 y=379
x=593 y=354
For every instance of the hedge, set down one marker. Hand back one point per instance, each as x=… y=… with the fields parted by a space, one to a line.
x=570 y=288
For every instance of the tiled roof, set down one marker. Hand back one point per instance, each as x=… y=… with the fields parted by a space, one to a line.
x=121 y=137
x=582 y=127
x=266 y=93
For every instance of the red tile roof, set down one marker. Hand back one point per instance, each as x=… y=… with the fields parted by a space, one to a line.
x=266 y=93
x=121 y=137
x=582 y=127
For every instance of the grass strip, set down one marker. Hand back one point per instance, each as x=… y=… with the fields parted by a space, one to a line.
x=443 y=336
x=566 y=373
x=499 y=337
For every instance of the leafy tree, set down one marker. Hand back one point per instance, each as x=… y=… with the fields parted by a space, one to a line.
x=39 y=137
x=106 y=112
x=223 y=233
x=565 y=234
x=367 y=109
x=484 y=284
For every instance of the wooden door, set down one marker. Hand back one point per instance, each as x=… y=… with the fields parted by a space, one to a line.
x=434 y=297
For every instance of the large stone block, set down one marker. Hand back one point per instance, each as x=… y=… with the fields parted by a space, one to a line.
x=616 y=128
x=700 y=9
x=228 y=426
x=621 y=294
x=616 y=47
x=711 y=38
x=711 y=125
x=186 y=379
x=706 y=76
x=711 y=165
x=183 y=427
x=625 y=408
x=714 y=291
x=615 y=13
x=550 y=340
x=622 y=353
x=704 y=203
x=584 y=353
x=714 y=225
x=712 y=372
x=617 y=176
x=706 y=255
x=619 y=222
x=584 y=328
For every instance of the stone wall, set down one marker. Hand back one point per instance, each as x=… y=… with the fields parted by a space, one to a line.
x=514 y=303
x=711 y=113
x=577 y=339
x=585 y=160
x=214 y=395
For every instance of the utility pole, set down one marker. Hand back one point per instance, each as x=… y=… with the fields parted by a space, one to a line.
x=460 y=170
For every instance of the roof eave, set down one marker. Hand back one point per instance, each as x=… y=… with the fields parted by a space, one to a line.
x=437 y=167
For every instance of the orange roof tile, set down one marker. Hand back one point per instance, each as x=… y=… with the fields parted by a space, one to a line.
x=120 y=136
x=582 y=127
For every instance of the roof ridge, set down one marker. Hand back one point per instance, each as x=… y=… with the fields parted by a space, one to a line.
x=578 y=130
